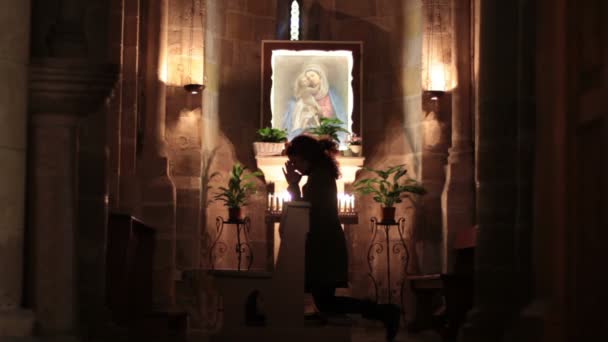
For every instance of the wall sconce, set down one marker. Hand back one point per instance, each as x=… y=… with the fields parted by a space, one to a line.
x=437 y=73
x=433 y=100
x=193 y=87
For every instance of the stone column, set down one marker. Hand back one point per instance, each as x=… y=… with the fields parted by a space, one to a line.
x=435 y=131
x=504 y=127
x=14 y=52
x=126 y=147
x=157 y=202
x=61 y=93
x=67 y=37
x=458 y=198
x=156 y=76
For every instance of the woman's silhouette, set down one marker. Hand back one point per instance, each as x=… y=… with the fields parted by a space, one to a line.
x=326 y=255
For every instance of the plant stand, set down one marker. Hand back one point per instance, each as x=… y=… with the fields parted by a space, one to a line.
x=243 y=249
x=398 y=248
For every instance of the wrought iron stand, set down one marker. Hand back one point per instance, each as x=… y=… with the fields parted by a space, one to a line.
x=219 y=248
x=398 y=248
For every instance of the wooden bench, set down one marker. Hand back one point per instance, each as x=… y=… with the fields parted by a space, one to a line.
x=130 y=281
x=455 y=289
x=129 y=267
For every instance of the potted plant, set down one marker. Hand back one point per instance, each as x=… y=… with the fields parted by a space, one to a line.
x=271 y=141
x=240 y=187
x=329 y=127
x=388 y=190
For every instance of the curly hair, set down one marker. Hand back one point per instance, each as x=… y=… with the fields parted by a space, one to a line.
x=318 y=152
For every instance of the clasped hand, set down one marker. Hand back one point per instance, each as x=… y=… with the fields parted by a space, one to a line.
x=291 y=175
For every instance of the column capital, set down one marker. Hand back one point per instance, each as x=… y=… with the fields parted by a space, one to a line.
x=71 y=88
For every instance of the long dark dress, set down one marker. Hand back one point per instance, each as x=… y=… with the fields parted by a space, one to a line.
x=326 y=255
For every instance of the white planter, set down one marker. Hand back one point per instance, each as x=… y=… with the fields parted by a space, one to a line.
x=268 y=148
x=355 y=149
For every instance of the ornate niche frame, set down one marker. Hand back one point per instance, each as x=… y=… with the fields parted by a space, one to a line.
x=284 y=63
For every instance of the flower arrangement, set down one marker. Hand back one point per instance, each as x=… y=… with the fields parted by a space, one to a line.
x=354 y=144
x=355 y=140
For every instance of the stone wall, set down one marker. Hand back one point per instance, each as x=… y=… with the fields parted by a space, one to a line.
x=235 y=30
x=125 y=108
x=185 y=61
x=218 y=133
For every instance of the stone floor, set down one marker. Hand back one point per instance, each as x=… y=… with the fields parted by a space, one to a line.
x=376 y=334
x=359 y=334
x=366 y=331
x=362 y=331
x=371 y=331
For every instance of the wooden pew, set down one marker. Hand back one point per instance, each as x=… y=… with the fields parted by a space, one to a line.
x=454 y=289
x=130 y=281
x=129 y=267
x=458 y=286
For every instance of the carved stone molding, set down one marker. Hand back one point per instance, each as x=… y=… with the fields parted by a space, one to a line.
x=69 y=87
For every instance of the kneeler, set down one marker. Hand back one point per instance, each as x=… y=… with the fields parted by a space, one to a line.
x=269 y=306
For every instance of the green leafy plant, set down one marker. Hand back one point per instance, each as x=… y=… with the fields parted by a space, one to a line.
x=388 y=190
x=240 y=187
x=329 y=127
x=269 y=134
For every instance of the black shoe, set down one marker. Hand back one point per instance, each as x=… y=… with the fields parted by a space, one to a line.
x=391 y=315
x=388 y=314
x=253 y=311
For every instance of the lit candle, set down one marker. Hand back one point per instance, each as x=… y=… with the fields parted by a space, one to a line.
x=286 y=197
x=348 y=207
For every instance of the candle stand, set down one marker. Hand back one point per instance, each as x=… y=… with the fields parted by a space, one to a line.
x=383 y=248
x=243 y=249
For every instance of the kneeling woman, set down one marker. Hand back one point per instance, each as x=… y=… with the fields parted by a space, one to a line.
x=326 y=254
